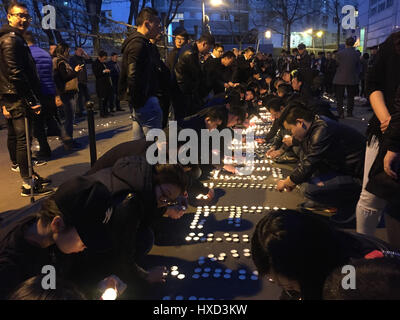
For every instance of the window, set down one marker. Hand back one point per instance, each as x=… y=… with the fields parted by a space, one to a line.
x=178 y=17
x=381 y=7
x=389 y=3
x=225 y=17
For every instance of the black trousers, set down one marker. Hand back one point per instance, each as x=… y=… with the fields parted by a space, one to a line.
x=45 y=118
x=83 y=97
x=351 y=92
x=104 y=105
x=115 y=105
x=16 y=143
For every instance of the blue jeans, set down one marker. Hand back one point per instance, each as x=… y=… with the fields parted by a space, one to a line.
x=333 y=189
x=147 y=117
x=69 y=106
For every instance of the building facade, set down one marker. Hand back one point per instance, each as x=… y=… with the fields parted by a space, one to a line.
x=377 y=20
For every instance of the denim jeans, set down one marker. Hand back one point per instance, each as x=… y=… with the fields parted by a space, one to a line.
x=333 y=189
x=16 y=143
x=69 y=101
x=146 y=118
x=369 y=207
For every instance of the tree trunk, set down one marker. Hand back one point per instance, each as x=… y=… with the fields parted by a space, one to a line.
x=94 y=9
x=133 y=11
x=49 y=34
x=338 y=35
x=286 y=37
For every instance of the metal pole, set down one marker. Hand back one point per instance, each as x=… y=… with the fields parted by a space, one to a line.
x=203 y=17
x=28 y=151
x=92 y=133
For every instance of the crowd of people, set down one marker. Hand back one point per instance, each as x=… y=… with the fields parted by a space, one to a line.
x=109 y=211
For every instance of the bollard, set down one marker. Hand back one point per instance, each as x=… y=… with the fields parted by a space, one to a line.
x=92 y=132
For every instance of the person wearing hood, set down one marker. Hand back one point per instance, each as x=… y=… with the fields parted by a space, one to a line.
x=138 y=82
x=141 y=195
x=48 y=232
x=19 y=91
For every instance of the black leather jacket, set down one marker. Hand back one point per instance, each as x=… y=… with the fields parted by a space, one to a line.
x=138 y=80
x=18 y=75
x=187 y=70
x=330 y=146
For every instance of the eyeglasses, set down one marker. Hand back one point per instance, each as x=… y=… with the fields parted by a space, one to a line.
x=25 y=16
x=179 y=201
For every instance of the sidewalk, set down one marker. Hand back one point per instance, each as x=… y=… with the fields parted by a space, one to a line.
x=64 y=165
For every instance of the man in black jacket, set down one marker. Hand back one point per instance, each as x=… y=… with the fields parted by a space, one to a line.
x=188 y=77
x=181 y=39
x=103 y=84
x=244 y=67
x=331 y=161
x=138 y=80
x=19 y=89
x=115 y=70
x=218 y=73
x=304 y=65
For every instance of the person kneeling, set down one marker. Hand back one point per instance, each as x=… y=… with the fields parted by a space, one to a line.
x=330 y=165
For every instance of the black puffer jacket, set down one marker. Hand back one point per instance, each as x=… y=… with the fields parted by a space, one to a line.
x=138 y=80
x=330 y=146
x=18 y=75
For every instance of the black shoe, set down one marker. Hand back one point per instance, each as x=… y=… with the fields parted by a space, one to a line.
x=38 y=162
x=286 y=159
x=311 y=207
x=43 y=155
x=67 y=143
x=41 y=180
x=343 y=216
x=76 y=145
x=38 y=190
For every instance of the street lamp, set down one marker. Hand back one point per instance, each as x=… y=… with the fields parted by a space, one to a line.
x=268 y=34
x=216 y=3
x=204 y=23
x=320 y=35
